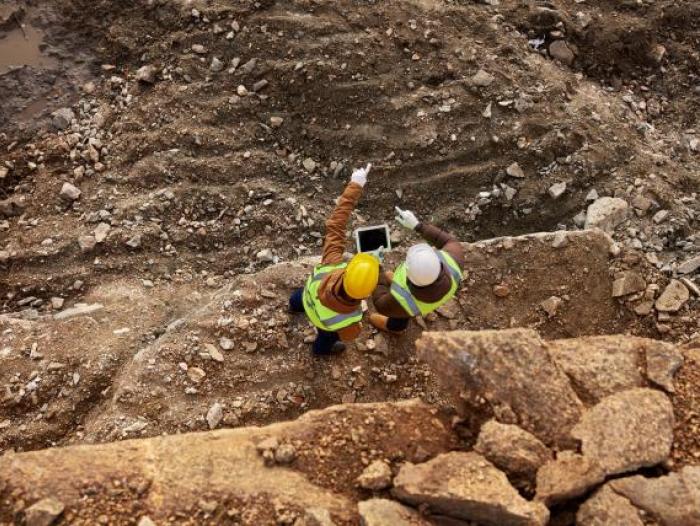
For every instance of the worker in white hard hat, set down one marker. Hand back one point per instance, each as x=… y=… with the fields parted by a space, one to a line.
x=429 y=278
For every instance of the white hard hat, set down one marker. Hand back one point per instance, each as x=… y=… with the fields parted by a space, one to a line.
x=422 y=265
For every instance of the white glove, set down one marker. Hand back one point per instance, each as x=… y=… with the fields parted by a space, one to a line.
x=406 y=218
x=359 y=175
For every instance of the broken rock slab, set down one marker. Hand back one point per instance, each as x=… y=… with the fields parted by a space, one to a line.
x=511 y=449
x=570 y=475
x=674 y=296
x=607 y=508
x=673 y=500
x=43 y=513
x=606 y=213
x=467 y=486
x=599 y=366
x=384 y=512
x=513 y=371
x=627 y=431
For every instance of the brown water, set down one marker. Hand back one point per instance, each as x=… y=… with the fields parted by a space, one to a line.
x=22 y=48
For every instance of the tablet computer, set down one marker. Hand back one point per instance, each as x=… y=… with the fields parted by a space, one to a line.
x=373 y=238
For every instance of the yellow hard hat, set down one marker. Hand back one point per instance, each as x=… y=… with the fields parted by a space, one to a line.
x=361 y=276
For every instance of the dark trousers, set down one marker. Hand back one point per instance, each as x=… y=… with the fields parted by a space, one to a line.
x=397 y=324
x=325 y=339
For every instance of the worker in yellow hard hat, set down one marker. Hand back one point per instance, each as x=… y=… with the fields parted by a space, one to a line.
x=333 y=294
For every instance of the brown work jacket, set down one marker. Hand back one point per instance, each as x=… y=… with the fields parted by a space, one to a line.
x=331 y=292
x=387 y=305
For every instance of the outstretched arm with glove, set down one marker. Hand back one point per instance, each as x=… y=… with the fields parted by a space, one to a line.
x=337 y=224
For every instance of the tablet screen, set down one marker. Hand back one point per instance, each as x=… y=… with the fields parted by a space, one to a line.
x=372 y=239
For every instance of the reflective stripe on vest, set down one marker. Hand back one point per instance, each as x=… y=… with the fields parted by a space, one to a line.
x=321 y=316
x=401 y=292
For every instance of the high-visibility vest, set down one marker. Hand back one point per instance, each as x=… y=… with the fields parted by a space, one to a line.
x=412 y=305
x=321 y=316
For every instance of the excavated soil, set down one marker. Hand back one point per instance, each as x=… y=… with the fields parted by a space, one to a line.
x=210 y=180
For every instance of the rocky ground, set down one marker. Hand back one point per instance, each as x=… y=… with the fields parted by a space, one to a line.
x=166 y=169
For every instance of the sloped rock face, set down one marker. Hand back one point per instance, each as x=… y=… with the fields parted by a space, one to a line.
x=627 y=431
x=221 y=470
x=467 y=486
x=513 y=371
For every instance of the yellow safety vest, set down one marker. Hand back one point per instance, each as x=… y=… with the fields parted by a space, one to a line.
x=321 y=316
x=401 y=292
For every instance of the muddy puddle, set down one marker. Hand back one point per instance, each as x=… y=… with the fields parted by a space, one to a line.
x=21 y=44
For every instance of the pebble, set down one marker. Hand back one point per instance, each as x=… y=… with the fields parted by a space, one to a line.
x=62 y=118
x=557 y=190
x=215 y=415
x=514 y=170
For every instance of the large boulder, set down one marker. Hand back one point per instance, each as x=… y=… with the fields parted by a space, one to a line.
x=512 y=449
x=467 y=486
x=627 y=430
x=607 y=508
x=384 y=512
x=673 y=500
x=513 y=372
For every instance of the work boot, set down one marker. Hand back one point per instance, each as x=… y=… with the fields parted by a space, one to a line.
x=380 y=322
x=337 y=348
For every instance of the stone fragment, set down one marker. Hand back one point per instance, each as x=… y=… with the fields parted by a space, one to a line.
x=80 y=309
x=62 y=118
x=599 y=366
x=663 y=361
x=514 y=170
x=606 y=213
x=607 y=508
x=689 y=266
x=627 y=431
x=101 y=232
x=196 y=374
x=467 y=486
x=285 y=454
x=570 y=475
x=384 y=512
x=511 y=448
x=216 y=65
x=551 y=305
x=560 y=51
x=215 y=415
x=557 y=190
x=513 y=372
x=43 y=513
x=134 y=241
x=629 y=283
x=481 y=79
x=146 y=74
x=317 y=517
x=309 y=164
x=674 y=296
x=86 y=243
x=69 y=192
x=376 y=476
x=673 y=500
